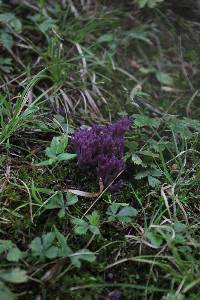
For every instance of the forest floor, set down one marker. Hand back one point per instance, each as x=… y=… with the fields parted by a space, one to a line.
x=63 y=65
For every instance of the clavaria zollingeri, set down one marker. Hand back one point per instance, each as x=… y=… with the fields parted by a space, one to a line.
x=102 y=147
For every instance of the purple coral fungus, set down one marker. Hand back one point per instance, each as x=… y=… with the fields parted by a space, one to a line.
x=102 y=147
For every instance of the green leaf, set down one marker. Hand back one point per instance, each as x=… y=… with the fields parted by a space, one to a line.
x=83 y=254
x=36 y=247
x=58 y=144
x=79 y=230
x=61 y=213
x=153 y=182
x=143 y=120
x=5 y=245
x=13 y=275
x=48 y=239
x=6 y=17
x=142 y=174
x=55 y=201
x=164 y=78
x=113 y=208
x=127 y=211
x=5 y=292
x=45 y=162
x=50 y=153
x=106 y=38
x=81 y=226
x=94 y=218
x=94 y=229
x=64 y=249
x=179 y=227
x=6 y=40
x=71 y=199
x=51 y=252
x=79 y=222
x=155 y=238
x=16 y=24
x=149 y=153
x=136 y=159
x=14 y=254
x=146 y=71
x=142 y=3
x=46 y=25
x=66 y=156
x=42 y=247
x=11 y=19
x=122 y=215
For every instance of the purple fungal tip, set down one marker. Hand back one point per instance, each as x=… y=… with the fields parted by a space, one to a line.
x=102 y=147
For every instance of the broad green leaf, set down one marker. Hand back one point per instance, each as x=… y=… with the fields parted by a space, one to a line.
x=111 y=218
x=79 y=222
x=43 y=247
x=11 y=19
x=6 y=40
x=143 y=120
x=180 y=227
x=13 y=275
x=5 y=292
x=46 y=25
x=154 y=238
x=149 y=153
x=61 y=213
x=64 y=249
x=66 y=156
x=142 y=174
x=5 y=245
x=16 y=24
x=55 y=201
x=6 y=17
x=71 y=199
x=48 y=239
x=81 y=229
x=142 y=3
x=81 y=226
x=113 y=208
x=106 y=38
x=94 y=218
x=45 y=162
x=164 y=78
x=155 y=172
x=94 y=229
x=127 y=211
x=58 y=144
x=147 y=70
x=51 y=252
x=49 y=152
x=136 y=159
x=36 y=246
x=153 y=182
x=14 y=254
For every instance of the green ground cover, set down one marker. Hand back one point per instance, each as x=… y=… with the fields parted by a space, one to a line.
x=64 y=64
